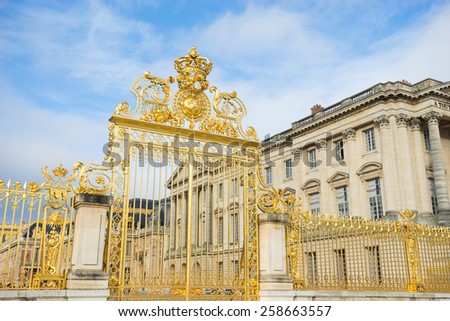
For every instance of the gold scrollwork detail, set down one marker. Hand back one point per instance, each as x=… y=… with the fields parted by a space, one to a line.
x=412 y=250
x=93 y=179
x=190 y=105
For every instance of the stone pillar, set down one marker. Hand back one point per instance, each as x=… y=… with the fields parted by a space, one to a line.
x=325 y=206
x=297 y=168
x=425 y=215
x=275 y=283
x=87 y=280
x=437 y=159
x=404 y=165
x=387 y=149
x=352 y=164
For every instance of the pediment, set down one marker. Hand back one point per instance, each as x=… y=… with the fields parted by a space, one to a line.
x=338 y=179
x=288 y=191
x=370 y=170
x=311 y=186
x=233 y=206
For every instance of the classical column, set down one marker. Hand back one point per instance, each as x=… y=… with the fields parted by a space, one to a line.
x=437 y=160
x=423 y=205
x=325 y=206
x=297 y=167
x=184 y=219
x=387 y=149
x=351 y=158
x=404 y=165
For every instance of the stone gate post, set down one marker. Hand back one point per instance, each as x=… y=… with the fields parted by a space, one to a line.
x=87 y=279
x=275 y=282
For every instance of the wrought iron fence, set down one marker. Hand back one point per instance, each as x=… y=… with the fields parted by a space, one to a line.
x=350 y=253
x=36 y=232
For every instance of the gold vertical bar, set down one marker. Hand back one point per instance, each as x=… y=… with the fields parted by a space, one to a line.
x=16 y=267
x=162 y=238
x=28 y=225
x=151 y=170
x=124 y=228
x=35 y=247
x=189 y=224
x=246 y=237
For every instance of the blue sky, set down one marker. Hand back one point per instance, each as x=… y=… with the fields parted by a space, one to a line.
x=64 y=66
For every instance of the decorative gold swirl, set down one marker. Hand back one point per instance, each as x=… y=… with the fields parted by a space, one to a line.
x=93 y=179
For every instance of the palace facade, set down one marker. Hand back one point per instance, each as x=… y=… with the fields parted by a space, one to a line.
x=372 y=155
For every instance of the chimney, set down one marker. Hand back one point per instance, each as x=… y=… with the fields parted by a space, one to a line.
x=317 y=108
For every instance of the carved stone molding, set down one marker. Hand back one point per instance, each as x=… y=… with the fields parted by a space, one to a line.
x=321 y=144
x=381 y=121
x=349 y=133
x=402 y=120
x=432 y=117
x=297 y=152
x=415 y=123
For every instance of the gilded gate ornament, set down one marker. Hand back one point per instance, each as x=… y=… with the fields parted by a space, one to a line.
x=412 y=250
x=60 y=187
x=191 y=106
x=178 y=127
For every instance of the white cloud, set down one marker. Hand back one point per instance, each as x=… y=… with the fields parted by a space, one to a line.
x=89 y=42
x=34 y=137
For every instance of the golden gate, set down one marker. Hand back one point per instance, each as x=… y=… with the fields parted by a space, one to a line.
x=183 y=225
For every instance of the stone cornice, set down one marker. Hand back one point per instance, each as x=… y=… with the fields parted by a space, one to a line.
x=368 y=99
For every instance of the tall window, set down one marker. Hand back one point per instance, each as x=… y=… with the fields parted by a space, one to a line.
x=312 y=266
x=370 y=139
x=339 y=147
x=220 y=271
x=373 y=256
x=434 y=203
x=341 y=266
x=220 y=191
x=220 y=227
x=426 y=136
x=375 y=201
x=288 y=168
x=128 y=249
x=342 y=201
x=236 y=267
x=269 y=175
x=235 y=221
x=314 y=203
x=312 y=157
x=235 y=184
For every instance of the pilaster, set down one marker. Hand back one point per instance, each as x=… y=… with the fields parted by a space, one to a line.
x=325 y=206
x=352 y=163
x=387 y=149
x=404 y=164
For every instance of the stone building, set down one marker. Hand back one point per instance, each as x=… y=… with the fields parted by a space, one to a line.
x=216 y=236
x=383 y=150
